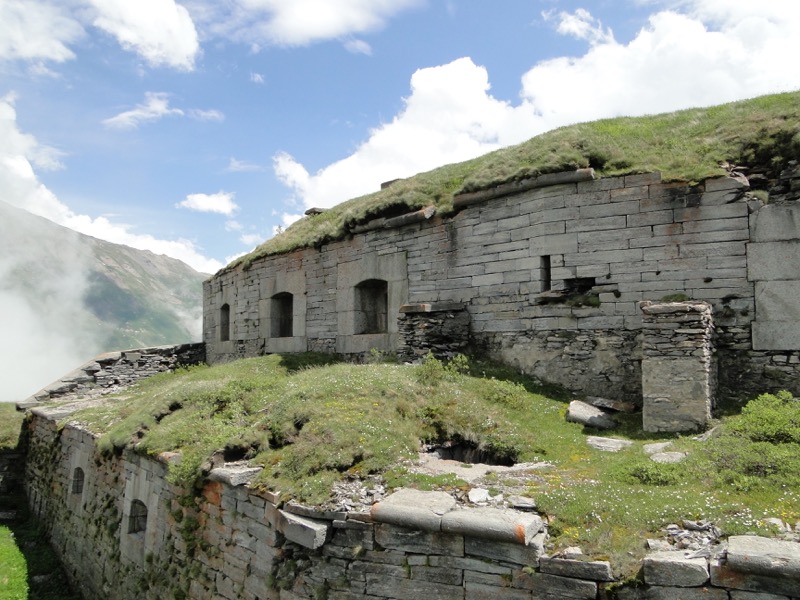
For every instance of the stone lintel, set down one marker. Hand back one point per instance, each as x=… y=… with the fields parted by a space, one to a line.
x=428 y=307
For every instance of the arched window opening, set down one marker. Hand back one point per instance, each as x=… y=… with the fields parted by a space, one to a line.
x=137 y=521
x=77 y=481
x=371 y=309
x=282 y=315
x=224 y=323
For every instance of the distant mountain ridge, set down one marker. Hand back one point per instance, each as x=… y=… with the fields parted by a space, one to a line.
x=65 y=297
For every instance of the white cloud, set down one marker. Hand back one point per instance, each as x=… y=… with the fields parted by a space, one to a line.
x=296 y=22
x=160 y=31
x=221 y=203
x=358 y=47
x=155 y=107
x=712 y=51
x=35 y=30
x=206 y=115
x=581 y=25
x=256 y=78
x=242 y=166
x=22 y=188
x=251 y=239
x=233 y=225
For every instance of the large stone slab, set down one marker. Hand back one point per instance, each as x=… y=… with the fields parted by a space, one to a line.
x=506 y=552
x=776 y=335
x=764 y=556
x=586 y=414
x=773 y=261
x=775 y=223
x=419 y=542
x=671 y=593
x=548 y=586
x=675 y=570
x=493 y=524
x=414 y=509
x=596 y=570
x=302 y=530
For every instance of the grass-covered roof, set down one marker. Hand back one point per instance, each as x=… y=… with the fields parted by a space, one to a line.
x=687 y=145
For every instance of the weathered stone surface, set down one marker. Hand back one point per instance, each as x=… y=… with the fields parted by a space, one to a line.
x=413 y=508
x=656 y=447
x=506 y=552
x=493 y=524
x=608 y=444
x=302 y=530
x=586 y=414
x=668 y=457
x=479 y=591
x=764 y=556
x=596 y=570
x=672 y=593
x=234 y=475
x=673 y=569
x=775 y=223
x=417 y=541
x=611 y=404
x=544 y=585
x=725 y=577
x=740 y=595
x=409 y=589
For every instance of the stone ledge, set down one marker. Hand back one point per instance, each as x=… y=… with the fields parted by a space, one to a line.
x=414 y=509
x=493 y=524
x=428 y=307
x=515 y=187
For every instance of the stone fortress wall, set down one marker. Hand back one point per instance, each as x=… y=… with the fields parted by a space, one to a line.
x=123 y=531
x=546 y=275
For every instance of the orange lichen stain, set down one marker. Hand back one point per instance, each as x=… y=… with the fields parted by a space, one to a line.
x=211 y=492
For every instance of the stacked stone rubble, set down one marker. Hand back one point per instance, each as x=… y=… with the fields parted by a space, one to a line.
x=678 y=368
x=441 y=328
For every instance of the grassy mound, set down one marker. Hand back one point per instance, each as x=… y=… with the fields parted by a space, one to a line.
x=310 y=423
x=688 y=145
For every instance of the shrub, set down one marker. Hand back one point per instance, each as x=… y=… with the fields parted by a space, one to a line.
x=771 y=418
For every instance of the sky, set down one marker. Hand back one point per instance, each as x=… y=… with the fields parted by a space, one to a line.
x=200 y=128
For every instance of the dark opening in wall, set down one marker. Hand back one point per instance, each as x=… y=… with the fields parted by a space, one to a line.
x=468 y=453
x=544 y=265
x=371 y=306
x=282 y=324
x=224 y=323
x=579 y=285
x=77 y=481
x=137 y=521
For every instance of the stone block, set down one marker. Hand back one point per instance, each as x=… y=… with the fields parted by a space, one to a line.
x=724 y=576
x=776 y=335
x=764 y=556
x=409 y=589
x=506 y=552
x=612 y=209
x=778 y=300
x=554 y=244
x=586 y=414
x=545 y=585
x=493 y=524
x=596 y=570
x=596 y=224
x=671 y=593
x=416 y=541
x=674 y=569
x=740 y=595
x=302 y=530
x=775 y=223
x=481 y=591
x=773 y=261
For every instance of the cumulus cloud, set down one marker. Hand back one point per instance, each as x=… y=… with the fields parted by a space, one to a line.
x=242 y=166
x=22 y=188
x=251 y=239
x=221 y=203
x=206 y=115
x=296 y=22
x=160 y=31
x=155 y=107
x=256 y=78
x=698 y=53
x=36 y=31
x=358 y=47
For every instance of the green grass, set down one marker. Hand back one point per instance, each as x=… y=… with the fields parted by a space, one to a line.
x=312 y=425
x=13 y=568
x=10 y=423
x=687 y=145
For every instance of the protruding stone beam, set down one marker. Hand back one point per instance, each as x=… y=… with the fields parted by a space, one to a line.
x=516 y=187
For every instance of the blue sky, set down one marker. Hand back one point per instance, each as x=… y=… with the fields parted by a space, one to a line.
x=195 y=128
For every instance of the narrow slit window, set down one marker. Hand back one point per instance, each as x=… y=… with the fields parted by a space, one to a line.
x=371 y=309
x=137 y=521
x=78 y=477
x=282 y=315
x=544 y=265
x=224 y=323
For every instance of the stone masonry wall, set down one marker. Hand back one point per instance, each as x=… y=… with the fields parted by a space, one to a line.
x=678 y=369
x=551 y=273
x=228 y=541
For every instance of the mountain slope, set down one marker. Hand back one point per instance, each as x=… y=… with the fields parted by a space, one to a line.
x=65 y=297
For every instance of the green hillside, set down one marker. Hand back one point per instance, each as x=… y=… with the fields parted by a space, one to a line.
x=690 y=145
